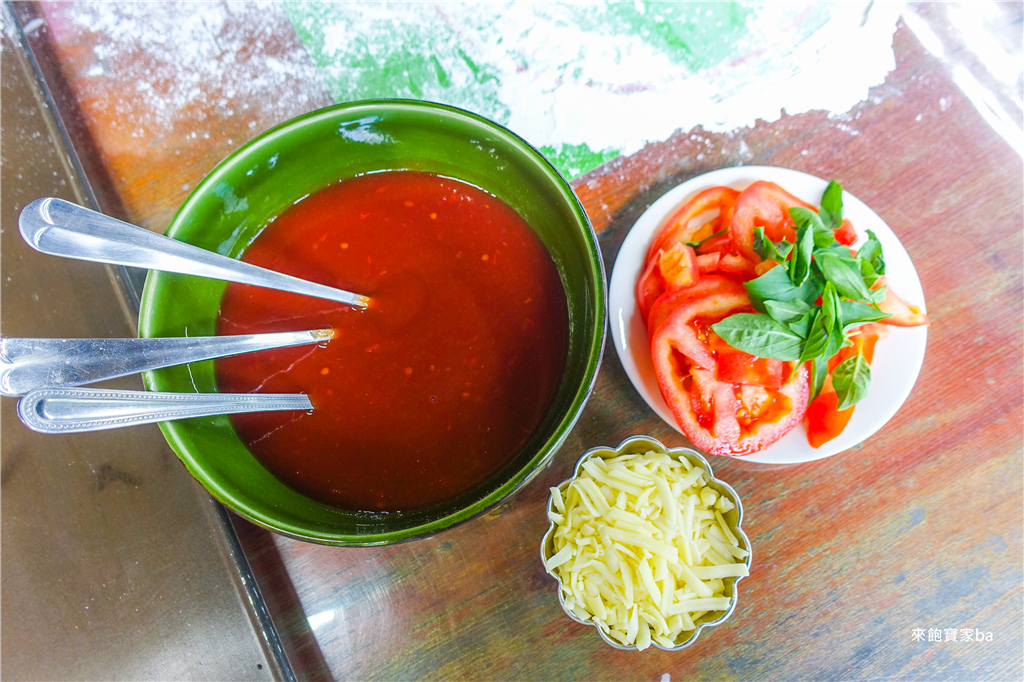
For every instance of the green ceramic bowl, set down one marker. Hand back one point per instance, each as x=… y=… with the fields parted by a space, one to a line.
x=260 y=180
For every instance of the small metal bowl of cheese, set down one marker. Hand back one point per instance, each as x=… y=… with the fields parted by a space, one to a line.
x=646 y=545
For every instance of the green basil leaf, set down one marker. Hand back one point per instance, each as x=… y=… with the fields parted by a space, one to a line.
x=855 y=314
x=830 y=301
x=805 y=217
x=877 y=295
x=835 y=248
x=844 y=273
x=802 y=325
x=800 y=266
x=831 y=307
x=769 y=250
x=871 y=251
x=763 y=246
x=817 y=336
x=819 y=370
x=783 y=250
x=867 y=272
x=759 y=335
x=851 y=379
x=787 y=311
x=832 y=205
x=836 y=340
x=775 y=285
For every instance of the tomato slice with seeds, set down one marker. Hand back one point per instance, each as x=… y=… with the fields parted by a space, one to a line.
x=719 y=417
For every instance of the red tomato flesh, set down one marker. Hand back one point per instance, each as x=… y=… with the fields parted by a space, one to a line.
x=678 y=230
x=845 y=234
x=719 y=417
x=671 y=300
x=762 y=204
x=678 y=267
x=743 y=368
x=825 y=421
x=903 y=314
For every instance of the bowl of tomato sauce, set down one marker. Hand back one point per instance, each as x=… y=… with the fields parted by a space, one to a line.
x=462 y=378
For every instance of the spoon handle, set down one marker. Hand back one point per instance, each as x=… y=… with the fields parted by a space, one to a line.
x=60 y=228
x=26 y=364
x=74 y=410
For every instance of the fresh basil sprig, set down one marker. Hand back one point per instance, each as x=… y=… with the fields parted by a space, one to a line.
x=808 y=305
x=851 y=379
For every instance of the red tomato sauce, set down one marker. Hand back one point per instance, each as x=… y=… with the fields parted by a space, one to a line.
x=440 y=382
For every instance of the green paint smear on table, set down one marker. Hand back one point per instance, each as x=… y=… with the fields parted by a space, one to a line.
x=383 y=57
x=697 y=34
x=433 y=52
x=573 y=160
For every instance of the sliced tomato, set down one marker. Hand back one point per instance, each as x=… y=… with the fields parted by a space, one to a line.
x=708 y=262
x=679 y=230
x=675 y=269
x=717 y=244
x=742 y=368
x=825 y=421
x=720 y=417
x=737 y=265
x=669 y=301
x=903 y=314
x=764 y=266
x=678 y=267
x=649 y=287
x=845 y=234
x=762 y=204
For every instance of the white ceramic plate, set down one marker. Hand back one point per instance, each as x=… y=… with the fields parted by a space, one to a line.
x=897 y=359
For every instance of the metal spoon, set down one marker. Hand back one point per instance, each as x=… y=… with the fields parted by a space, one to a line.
x=74 y=410
x=60 y=228
x=26 y=364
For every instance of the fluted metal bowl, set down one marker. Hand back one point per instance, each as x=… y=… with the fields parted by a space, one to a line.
x=734 y=518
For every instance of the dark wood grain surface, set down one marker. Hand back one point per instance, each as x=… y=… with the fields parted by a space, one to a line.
x=920 y=527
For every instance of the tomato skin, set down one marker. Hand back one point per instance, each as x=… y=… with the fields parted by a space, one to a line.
x=762 y=204
x=825 y=421
x=649 y=287
x=708 y=262
x=669 y=301
x=705 y=408
x=678 y=230
x=845 y=234
x=903 y=314
x=718 y=244
x=738 y=266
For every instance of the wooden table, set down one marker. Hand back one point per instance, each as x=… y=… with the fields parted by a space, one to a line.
x=859 y=559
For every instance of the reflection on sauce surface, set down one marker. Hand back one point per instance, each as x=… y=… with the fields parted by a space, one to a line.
x=440 y=382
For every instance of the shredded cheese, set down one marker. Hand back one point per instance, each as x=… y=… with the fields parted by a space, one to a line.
x=641 y=547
